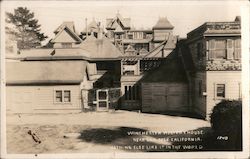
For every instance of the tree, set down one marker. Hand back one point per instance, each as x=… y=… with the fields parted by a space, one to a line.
x=25 y=30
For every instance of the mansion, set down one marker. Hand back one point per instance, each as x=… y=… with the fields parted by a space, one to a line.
x=120 y=67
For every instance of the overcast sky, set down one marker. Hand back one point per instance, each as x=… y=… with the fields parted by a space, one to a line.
x=184 y=16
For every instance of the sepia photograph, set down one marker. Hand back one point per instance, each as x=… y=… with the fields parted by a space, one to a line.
x=124 y=79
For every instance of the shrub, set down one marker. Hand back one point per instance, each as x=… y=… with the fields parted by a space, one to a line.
x=226 y=121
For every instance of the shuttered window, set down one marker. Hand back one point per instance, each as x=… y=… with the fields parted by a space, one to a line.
x=237 y=49
x=220 y=49
x=230 y=48
x=211 y=48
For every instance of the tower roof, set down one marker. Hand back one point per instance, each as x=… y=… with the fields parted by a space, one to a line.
x=70 y=25
x=163 y=23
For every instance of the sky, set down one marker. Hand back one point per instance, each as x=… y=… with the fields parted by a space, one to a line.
x=183 y=15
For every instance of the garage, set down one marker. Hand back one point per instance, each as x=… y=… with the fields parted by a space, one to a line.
x=163 y=98
x=165 y=89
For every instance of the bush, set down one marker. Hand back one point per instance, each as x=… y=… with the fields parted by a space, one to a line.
x=226 y=121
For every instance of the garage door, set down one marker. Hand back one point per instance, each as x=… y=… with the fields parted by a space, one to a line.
x=160 y=98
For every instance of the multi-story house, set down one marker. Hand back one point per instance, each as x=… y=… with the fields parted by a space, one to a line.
x=120 y=32
x=147 y=70
x=215 y=48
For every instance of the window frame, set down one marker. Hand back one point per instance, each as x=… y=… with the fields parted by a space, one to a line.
x=216 y=49
x=131 y=92
x=216 y=91
x=67 y=45
x=62 y=96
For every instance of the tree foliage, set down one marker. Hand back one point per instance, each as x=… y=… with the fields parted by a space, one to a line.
x=226 y=120
x=25 y=28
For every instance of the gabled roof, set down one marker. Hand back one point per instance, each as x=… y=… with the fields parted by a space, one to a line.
x=111 y=23
x=37 y=72
x=130 y=49
x=156 y=52
x=70 y=25
x=100 y=48
x=66 y=35
x=143 y=51
x=163 y=23
x=118 y=29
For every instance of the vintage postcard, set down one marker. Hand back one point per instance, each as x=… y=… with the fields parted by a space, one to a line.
x=125 y=79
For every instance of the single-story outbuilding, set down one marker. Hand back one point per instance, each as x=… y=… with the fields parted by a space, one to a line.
x=48 y=86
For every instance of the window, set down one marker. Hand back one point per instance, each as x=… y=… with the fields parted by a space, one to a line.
x=67 y=96
x=224 y=49
x=58 y=96
x=220 y=48
x=217 y=49
x=237 y=47
x=132 y=92
x=66 y=45
x=130 y=36
x=102 y=95
x=220 y=90
x=62 y=96
x=129 y=67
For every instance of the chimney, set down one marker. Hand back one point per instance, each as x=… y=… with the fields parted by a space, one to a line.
x=99 y=34
x=86 y=23
x=237 y=19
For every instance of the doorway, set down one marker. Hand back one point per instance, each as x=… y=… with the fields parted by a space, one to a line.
x=102 y=100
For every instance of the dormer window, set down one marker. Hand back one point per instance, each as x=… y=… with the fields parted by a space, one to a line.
x=66 y=45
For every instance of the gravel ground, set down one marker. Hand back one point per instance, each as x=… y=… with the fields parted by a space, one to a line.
x=102 y=132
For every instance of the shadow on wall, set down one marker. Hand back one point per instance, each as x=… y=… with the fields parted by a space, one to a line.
x=142 y=140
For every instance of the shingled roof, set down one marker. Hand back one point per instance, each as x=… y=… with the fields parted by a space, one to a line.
x=163 y=23
x=100 y=48
x=111 y=23
x=70 y=25
x=71 y=35
x=172 y=70
x=37 y=72
x=50 y=54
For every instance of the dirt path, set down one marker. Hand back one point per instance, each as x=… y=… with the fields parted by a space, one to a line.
x=102 y=132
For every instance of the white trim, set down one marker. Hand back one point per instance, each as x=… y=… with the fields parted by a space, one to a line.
x=215 y=91
x=63 y=102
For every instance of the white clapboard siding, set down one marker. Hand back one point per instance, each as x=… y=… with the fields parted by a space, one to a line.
x=232 y=81
x=27 y=99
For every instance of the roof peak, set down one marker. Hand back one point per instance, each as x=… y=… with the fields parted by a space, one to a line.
x=163 y=23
